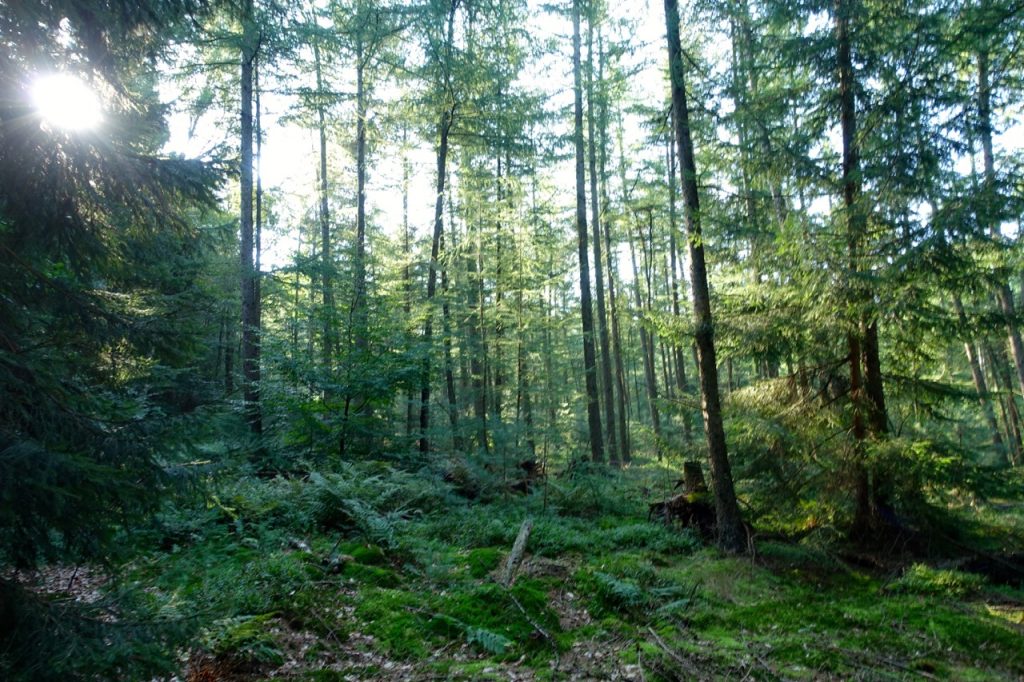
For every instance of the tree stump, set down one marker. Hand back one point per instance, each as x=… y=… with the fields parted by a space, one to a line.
x=693 y=478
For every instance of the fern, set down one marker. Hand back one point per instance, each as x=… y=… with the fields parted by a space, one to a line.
x=489 y=641
x=492 y=642
x=623 y=593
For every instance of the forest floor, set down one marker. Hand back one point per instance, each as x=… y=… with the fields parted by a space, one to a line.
x=369 y=573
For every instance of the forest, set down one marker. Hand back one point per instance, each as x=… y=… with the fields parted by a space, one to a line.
x=511 y=340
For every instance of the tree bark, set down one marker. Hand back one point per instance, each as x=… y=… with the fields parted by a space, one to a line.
x=587 y=314
x=646 y=347
x=1001 y=377
x=250 y=306
x=410 y=402
x=359 y=310
x=621 y=393
x=326 y=263
x=866 y=390
x=677 y=349
x=444 y=128
x=595 y=214
x=979 y=379
x=731 y=534
x=449 y=373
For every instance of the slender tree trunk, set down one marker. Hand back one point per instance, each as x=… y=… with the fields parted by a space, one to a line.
x=731 y=534
x=258 y=229
x=474 y=266
x=1004 y=295
x=250 y=307
x=621 y=392
x=229 y=358
x=443 y=131
x=449 y=374
x=444 y=128
x=327 y=265
x=524 y=403
x=359 y=310
x=595 y=215
x=979 y=379
x=677 y=349
x=865 y=384
x=1001 y=376
x=499 y=293
x=647 y=348
x=410 y=402
x=589 y=356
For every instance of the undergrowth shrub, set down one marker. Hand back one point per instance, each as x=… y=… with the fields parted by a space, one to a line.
x=124 y=635
x=588 y=490
x=924 y=580
x=247 y=639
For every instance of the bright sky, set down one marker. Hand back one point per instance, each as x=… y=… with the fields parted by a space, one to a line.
x=290 y=151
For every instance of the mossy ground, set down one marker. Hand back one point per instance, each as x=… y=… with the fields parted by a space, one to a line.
x=602 y=593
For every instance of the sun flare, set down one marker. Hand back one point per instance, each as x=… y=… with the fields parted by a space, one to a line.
x=66 y=102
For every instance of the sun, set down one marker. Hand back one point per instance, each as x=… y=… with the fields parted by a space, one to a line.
x=66 y=102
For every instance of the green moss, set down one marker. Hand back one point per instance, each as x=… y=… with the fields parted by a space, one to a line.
x=922 y=579
x=247 y=638
x=484 y=560
x=371 y=575
x=396 y=619
x=371 y=555
x=489 y=608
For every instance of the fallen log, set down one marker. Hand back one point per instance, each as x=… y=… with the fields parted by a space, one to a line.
x=516 y=556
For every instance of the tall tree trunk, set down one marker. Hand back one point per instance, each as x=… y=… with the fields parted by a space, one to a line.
x=865 y=391
x=524 y=403
x=647 y=348
x=587 y=314
x=621 y=392
x=444 y=127
x=229 y=357
x=250 y=306
x=595 y=215
x=359 y=309
x=258 y=228
x=1002 y=379
x=326 y=263
x=474 y=266
x=979 y=379
x=677 y=348
x=410 y=402
x=731 y=534
x=497 y=345
x=1004 y=295
x=449 y=373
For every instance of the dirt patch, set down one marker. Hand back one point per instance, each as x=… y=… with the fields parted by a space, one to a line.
x=597 y=660
x=571 y=611
x=83 y=584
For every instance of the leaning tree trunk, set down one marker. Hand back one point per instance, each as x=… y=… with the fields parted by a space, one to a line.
x=731 y=534
x=587 y=313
